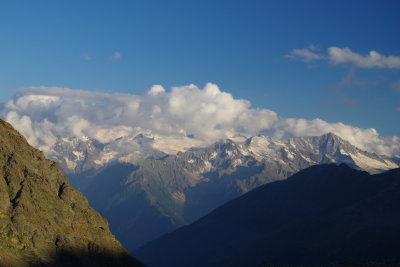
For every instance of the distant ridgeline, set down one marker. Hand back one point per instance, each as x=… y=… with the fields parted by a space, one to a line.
x=323 y=215
x=156 y=195
x=43 y=220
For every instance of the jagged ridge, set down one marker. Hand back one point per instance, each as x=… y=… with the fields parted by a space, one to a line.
x=158 y=195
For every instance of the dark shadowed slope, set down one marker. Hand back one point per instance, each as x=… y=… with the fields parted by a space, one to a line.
x=132 y=218
x=323 y=214
x=43 y=220
x=157 y=196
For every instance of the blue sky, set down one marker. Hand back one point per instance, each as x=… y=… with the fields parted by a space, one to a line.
x=245 y=47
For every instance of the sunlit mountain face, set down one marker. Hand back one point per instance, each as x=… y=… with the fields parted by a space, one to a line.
x=44 y=221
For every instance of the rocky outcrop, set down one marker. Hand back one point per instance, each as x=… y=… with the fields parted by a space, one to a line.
x=43 y=220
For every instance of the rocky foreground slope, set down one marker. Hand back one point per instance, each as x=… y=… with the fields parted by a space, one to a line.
x=43 y=220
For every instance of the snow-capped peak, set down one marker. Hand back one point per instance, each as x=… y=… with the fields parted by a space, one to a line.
x=77 y=155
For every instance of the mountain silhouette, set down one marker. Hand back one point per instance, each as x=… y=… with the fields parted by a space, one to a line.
x=323 y=214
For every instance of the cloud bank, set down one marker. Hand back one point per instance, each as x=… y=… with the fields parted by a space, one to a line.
x=372 y=60
x=337 y=55
x=206 y=114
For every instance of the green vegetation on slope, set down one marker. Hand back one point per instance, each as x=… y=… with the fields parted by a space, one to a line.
x=42 y=218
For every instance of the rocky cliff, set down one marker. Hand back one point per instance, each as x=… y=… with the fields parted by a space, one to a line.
x=43 y=220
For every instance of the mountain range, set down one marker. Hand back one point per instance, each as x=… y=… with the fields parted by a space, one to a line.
x=159 y=193
x=325 y=214
x=231 y=201
x=80 y=155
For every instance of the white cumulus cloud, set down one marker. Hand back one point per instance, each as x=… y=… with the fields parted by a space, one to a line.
x=206 y=115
